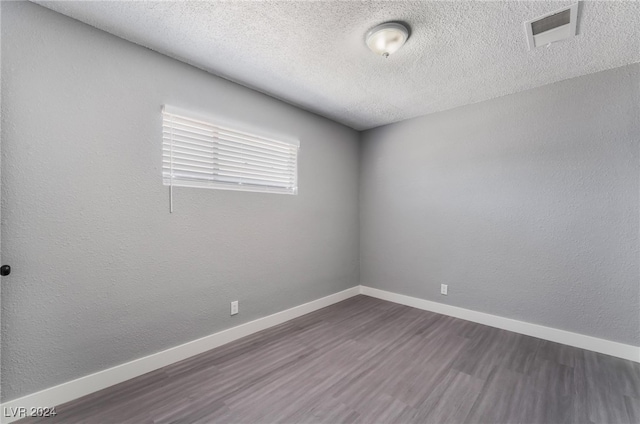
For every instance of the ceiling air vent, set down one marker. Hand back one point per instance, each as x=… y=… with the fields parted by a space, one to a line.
x=552 y=27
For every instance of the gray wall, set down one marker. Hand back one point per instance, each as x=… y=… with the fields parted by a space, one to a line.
x=103 y=274
x=527 y=206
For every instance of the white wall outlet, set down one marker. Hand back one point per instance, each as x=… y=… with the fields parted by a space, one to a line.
x=234 y=307
x=444 y=289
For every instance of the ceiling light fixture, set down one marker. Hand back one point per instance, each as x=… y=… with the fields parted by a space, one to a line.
x=387 y=38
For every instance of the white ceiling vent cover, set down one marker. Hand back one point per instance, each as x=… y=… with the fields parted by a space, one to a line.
x=553 y=27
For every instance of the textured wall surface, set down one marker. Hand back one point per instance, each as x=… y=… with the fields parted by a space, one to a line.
x=526 y=206
x=103 y=274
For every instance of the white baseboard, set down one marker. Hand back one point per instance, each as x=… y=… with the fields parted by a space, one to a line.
x=92 y=383
x=82 y=386
x=595 y=344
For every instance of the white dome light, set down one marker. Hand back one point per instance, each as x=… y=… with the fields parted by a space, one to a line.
x=386 y=39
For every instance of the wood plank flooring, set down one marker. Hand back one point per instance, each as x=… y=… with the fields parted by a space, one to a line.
x=366 y=360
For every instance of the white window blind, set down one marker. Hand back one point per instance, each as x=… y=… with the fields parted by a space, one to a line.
x=196 y=153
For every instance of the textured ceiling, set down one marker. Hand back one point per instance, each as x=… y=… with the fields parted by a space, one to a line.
x=313 y=55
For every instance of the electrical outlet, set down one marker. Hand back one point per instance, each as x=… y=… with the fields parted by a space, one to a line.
x=444 y=289
x=234 y=307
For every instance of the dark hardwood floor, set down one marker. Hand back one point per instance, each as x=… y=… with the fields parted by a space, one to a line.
x=365 y=360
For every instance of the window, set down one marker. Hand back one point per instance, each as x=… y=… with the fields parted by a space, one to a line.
x=196 y=153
